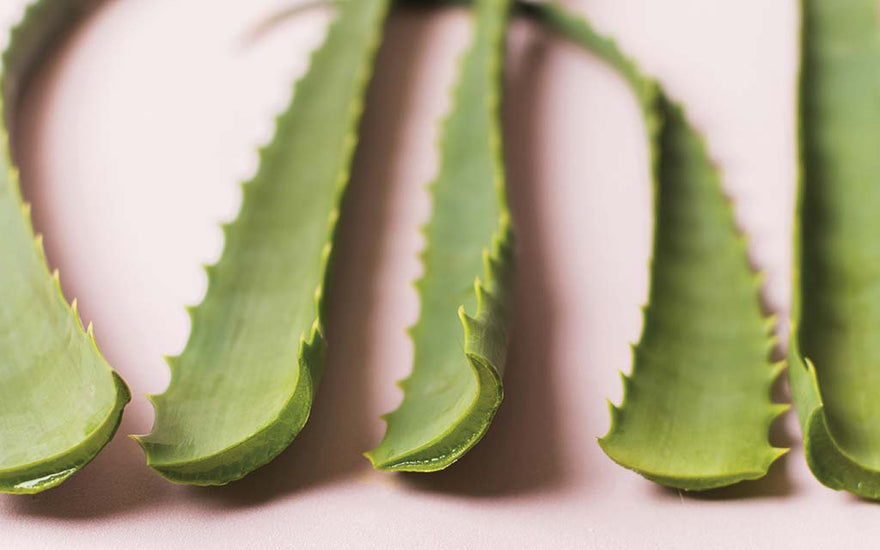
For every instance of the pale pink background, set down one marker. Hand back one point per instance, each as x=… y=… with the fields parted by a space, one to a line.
x=132 y=142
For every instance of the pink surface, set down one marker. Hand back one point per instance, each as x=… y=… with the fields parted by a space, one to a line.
x=132 y=142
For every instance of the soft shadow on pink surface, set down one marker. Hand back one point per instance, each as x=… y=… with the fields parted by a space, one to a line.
x=116 y=483
x=342 y=423
x=520 y=452
x=341 y=426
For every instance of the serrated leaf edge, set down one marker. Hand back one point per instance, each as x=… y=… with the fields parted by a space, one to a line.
x=47 y=473
x=498 y=265
x=283 y=428
x=651 y=97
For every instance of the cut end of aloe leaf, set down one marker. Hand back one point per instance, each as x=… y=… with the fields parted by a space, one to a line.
x=50 y=472
x=830 y=463
x=218 y=461
x=832 y=466
x=686 y=473
x=443 y=449
x=467 y=395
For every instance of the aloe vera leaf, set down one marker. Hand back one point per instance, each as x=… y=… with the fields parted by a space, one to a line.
x=455 y=387
x=60 y=402
x=243 y=387
x=835 y=347
x=696 y=408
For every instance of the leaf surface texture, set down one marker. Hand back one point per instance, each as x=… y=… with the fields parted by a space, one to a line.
x=461 y=336
x=835 y=348
x=60 y=402
x=243 y=387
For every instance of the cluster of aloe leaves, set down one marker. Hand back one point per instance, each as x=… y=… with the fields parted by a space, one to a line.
x=696 y=409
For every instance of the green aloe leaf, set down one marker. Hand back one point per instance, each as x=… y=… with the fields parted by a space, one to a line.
x=696 y=408
x=60 y=402
x=243 y=387
x=835 y=348
x=455 y=387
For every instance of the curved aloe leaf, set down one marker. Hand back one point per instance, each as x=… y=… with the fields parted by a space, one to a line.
x=835 y=348
x=696 y=408
x=60 y=402
x=455 y=387
x=243 y=387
